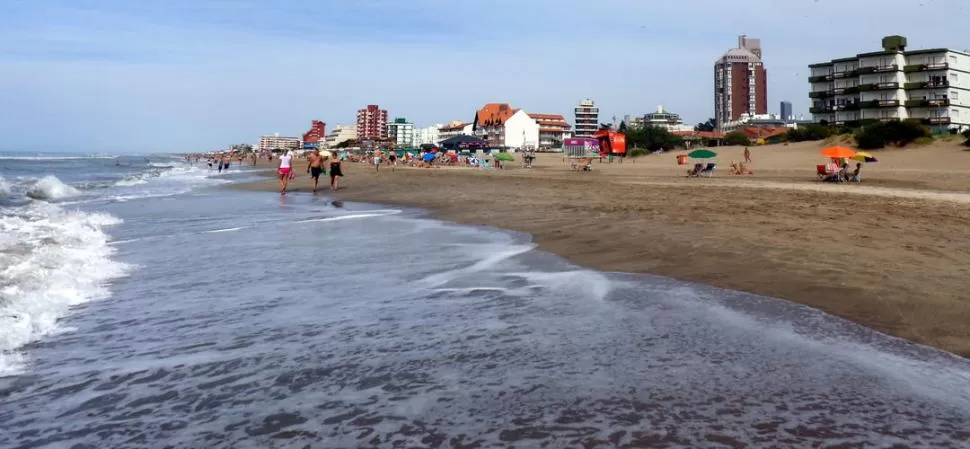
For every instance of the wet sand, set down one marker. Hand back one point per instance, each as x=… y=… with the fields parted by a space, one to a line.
x=892 y=254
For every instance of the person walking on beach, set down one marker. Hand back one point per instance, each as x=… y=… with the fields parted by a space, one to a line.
x=226 y=161
x=377 y=161
x=747 y=155
x=285 y=170
x=335 y=173
x=314 y=167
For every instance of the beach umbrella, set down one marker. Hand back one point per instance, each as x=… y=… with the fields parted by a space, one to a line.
x=326 y=153
x=838 y=153
x=504 y=157
x=862 y=156
x=702 y=153
x=428 y=157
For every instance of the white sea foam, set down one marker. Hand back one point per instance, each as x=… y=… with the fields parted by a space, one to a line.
x=4 y=187
x=218 y=231
x=382 y=213
x=50 y=259
x=50 y=188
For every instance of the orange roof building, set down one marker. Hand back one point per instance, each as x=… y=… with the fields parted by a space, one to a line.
x=504 y=126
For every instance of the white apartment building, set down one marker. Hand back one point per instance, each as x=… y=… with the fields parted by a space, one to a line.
x=587 y=119
x=401 y=133
x=930 y=85
x=339 y=134
x=455 y=128
x=275 y=142
x=427 y=136
x=553 y=129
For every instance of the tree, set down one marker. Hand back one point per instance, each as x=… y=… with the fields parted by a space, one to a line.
x=652 y=138
x=736 y=138
x=242 y=147
x=347 y=143
x=709 y=125
x=622 y=127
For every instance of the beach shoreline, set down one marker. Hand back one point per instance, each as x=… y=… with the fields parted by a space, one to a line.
x=891 y=255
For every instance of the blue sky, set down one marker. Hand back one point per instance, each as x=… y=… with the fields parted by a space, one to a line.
x=185 y=75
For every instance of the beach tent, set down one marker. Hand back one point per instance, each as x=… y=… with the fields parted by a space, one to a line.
x=611 y=142
x=463 y=142
x=580 y=148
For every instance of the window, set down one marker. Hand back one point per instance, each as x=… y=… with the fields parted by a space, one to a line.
x=954 y=112
x=954 y=95
x=953 y=59
x=954 y=77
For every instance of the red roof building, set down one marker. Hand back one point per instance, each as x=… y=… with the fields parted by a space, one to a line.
x=553 y=129
x=317 y=132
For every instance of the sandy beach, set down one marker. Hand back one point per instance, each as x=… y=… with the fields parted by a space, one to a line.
x=892 y=253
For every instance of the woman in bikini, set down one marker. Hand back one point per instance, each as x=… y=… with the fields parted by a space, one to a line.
x=335 y=172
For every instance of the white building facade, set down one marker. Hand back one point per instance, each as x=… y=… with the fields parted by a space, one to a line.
x=455 y=128
x=586 y=119
x=932 y=86
x=521 y=132
x=275 y=142
x=339 y=134
x=401 y=133
x=427 y=135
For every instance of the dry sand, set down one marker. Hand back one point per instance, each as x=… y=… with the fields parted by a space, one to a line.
x=892 y=254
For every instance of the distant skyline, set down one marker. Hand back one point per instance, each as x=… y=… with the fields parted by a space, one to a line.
x=195 y=75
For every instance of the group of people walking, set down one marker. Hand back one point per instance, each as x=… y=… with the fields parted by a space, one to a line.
x=317 y=165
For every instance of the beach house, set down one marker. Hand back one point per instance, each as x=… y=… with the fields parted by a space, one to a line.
x=501 y=125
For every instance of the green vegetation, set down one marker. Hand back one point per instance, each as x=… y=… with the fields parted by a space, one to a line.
x=346 y=144
x=813 y=131
x=736 y=138
x=899 y=133
x=966 y=136
x=652 y=138
x=637 y=152
x=622 y=127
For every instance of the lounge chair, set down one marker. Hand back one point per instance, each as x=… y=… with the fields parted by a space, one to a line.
x=820 y=171
x=709 y=170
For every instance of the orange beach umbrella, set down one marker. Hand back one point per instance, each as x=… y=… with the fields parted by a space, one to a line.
x=838 y=152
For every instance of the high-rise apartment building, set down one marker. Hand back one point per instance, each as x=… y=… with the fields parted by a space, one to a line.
x=931 y=85
x=372 y=123
x=401 y=133
x=587 y=117
x=740 y=82
x=317 y=132
x=786 y=112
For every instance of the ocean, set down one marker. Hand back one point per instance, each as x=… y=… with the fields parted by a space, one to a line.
x=145 y=305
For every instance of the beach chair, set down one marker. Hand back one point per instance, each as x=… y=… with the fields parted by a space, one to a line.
x=820 y=171
x=708 y=171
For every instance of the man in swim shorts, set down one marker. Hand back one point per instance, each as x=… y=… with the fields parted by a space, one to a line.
x=377 y=161
x=315 y=168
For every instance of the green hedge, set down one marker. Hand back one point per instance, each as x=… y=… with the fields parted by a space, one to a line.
x=736 y=138
x=895 y=132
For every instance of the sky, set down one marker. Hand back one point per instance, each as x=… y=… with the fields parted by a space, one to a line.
x=197 y=75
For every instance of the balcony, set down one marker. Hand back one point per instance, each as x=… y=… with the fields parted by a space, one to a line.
x=872 y=104
x=886 y=86
x=819 y=78
x=926 y=67
x=820 y=94
x=931 y=103
x=926 y=84
x=866 y=87
x=934 y=120
x=866 y=70
x=846 y=74
x=820 y=110
x=885 y=68
x=852 y=90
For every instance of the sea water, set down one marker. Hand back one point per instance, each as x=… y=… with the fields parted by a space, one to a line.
x=143 y=305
